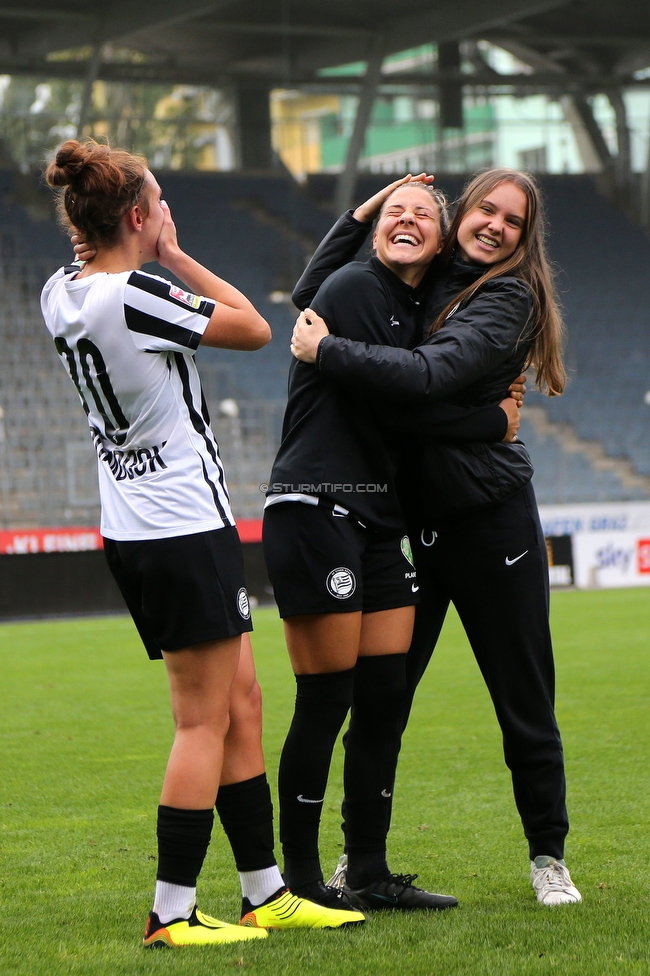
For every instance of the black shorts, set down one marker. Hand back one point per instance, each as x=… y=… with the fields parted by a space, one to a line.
x=320 y=562
x=184 y=590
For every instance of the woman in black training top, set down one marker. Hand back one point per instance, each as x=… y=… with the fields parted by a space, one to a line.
x=341 y=564
x=471 y=508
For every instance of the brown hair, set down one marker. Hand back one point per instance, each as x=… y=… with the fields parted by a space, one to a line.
x=97 y=186
x=529 y=263
x=438 y=197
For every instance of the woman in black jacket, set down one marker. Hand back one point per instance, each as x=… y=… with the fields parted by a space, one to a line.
x=473 y=517
x=341 y=565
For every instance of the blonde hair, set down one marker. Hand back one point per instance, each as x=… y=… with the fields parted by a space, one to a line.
x=529 y=263
x=436 y=195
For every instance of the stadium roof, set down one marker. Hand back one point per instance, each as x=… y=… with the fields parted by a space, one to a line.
x=580 y=46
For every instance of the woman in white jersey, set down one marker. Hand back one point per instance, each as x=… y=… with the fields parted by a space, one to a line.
x=127 y=340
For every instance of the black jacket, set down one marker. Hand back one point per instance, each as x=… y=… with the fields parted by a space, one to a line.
x=343 y=444
x=471 y=361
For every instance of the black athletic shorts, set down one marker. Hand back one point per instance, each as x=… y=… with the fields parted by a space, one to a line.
x=322 y=562
x=184 y=590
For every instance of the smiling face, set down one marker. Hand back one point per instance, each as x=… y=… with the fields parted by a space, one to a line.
x=408 y=235
x=491 y=231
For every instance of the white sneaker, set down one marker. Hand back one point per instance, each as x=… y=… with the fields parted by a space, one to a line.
x=339 y=877
x=552 y=882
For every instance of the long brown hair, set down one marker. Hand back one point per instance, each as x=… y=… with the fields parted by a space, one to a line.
x=529 y=263
x=97 y=186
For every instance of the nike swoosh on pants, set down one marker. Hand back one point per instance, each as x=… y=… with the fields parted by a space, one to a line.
x=511 y=562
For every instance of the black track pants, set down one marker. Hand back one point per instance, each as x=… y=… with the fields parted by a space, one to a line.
x=493 y=566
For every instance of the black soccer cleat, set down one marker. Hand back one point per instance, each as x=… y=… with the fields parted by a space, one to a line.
x=324 y=895
x=397 y=891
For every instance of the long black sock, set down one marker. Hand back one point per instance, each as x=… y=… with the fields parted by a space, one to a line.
x=183 y=839
x=371 y=751
x=246 y=813
x=322 y=703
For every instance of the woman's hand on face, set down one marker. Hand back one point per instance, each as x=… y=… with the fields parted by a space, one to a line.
x=517 y=389
x=369 y=210
x=307 y=334
x=82 y=251
x=511 y=408
x=167 y=245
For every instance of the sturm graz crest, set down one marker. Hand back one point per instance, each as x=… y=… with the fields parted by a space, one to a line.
x=243 y=604
x=341 y=583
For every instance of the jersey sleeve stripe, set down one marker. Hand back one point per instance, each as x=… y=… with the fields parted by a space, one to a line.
x=146 y=324
x=161 y=289
x=182 y=312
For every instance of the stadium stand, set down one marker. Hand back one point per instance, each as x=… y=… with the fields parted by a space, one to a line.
x=563 y=476
x=44 y=431
x=258 y=231
x=605 y=260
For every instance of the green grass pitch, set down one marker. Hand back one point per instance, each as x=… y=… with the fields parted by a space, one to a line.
x=85 y=731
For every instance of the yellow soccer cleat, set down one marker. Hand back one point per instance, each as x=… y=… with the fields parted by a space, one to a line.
x=287 y=911
x=198 y=929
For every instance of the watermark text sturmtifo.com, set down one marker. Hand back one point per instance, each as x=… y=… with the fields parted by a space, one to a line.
x=323 y=487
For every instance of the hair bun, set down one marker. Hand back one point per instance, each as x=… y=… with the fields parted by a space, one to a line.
x=68 y=163
x=96 y=186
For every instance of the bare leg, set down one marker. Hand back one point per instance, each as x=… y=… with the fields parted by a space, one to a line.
x=200 y=677
x=199 y=680
x=244 y=800
x=243 y=757
x=386 y=632
x=321 y=643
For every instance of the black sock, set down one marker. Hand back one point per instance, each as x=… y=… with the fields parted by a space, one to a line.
x=246 y=813
x=183 y=839
x=322 y=703
x=371 y=751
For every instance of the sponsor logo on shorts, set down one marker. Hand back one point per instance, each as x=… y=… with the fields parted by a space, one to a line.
x=407 y=552
x=341 y=583
x=243 y=604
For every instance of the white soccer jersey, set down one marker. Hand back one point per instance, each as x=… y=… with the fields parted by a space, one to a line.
x=128 y=343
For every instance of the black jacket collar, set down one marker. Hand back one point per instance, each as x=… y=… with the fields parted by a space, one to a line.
x=396 y=284
x=462 y=272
